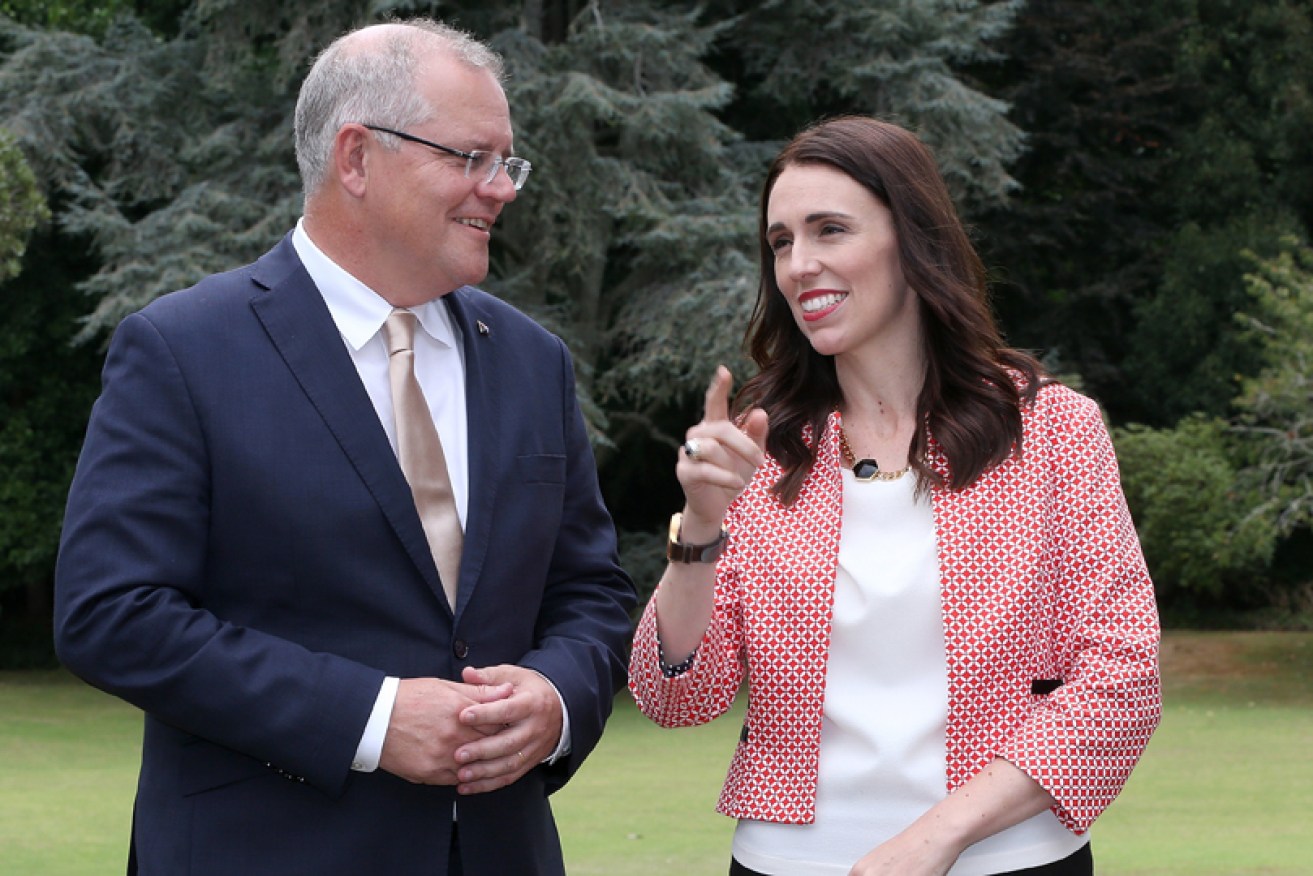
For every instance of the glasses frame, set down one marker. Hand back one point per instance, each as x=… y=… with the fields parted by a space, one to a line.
x=517 y=169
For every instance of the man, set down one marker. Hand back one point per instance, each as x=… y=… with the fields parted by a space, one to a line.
x=244 y=559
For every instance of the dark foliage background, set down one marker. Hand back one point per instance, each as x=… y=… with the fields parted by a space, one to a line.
x=1138 y=175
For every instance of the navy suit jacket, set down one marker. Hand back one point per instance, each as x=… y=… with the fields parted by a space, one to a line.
x=242 y=559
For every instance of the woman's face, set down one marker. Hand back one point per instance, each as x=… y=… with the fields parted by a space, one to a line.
x=836 y=261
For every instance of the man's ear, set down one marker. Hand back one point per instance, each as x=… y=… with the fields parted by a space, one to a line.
x=350 y=163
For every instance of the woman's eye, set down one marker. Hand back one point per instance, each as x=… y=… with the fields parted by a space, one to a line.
x=832 y=229
x=779 y=243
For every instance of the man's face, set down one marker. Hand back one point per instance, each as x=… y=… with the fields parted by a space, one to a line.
x=430 y=223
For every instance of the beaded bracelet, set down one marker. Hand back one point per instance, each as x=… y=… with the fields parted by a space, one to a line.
x=674 y=670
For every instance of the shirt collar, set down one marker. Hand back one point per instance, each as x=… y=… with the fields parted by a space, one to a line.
x=359 y=311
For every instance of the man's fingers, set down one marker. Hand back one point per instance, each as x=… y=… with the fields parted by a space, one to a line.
x=424 y=730
x=496 y=771
x=491 y=693
x=495 y=713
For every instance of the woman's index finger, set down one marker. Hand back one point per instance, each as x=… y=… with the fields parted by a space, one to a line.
x=717 y=401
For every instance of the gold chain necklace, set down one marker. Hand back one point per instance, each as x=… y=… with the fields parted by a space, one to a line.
x=867 y=469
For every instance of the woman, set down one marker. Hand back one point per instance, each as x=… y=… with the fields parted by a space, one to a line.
x=911 y=543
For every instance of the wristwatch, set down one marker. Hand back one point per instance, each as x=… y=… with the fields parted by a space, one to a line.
x=678 y=552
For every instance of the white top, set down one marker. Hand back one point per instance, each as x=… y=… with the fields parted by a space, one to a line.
x=882 y=758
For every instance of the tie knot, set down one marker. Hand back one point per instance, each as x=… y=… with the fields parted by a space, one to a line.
x=399 y=331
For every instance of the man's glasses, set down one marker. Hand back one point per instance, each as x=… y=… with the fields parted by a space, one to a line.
x=477 y=163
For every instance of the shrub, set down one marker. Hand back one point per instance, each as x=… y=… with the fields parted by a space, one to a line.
x=1200 y=528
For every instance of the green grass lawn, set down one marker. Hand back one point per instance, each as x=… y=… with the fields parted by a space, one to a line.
x=1225 y=788
x=70 y=756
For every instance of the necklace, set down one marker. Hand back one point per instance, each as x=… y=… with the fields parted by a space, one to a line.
x=867 y=469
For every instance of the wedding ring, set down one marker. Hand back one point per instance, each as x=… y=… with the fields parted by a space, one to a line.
x=521 y=754
x=692 y=449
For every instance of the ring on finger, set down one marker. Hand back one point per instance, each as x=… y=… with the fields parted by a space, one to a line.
x=521 y=754
x=693 y=449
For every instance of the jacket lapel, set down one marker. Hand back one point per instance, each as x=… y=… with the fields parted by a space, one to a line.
x=482 y=344
x=300 y=327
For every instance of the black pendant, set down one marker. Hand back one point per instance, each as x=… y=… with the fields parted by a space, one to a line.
x=865 y=469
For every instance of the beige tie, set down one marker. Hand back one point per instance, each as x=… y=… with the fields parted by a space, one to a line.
x=420 y=453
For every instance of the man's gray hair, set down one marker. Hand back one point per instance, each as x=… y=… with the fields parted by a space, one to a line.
x=373 y=84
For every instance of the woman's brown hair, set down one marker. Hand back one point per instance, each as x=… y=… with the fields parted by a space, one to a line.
x=970 y=400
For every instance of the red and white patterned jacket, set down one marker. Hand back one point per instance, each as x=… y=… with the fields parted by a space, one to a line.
x=1042 y=580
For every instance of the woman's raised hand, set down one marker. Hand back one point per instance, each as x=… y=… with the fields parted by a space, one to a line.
x=717 y=460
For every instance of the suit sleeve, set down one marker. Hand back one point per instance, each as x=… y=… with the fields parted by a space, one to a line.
x=130 y=616
x=584 y=625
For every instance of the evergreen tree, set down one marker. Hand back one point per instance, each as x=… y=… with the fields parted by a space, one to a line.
x=170 y=168
x=161 y=164
x=903 y=60
x=634 y=241
x=1275 y=406
x=166 y=148
x=1073 y=252
x=1240 y=182
x=46 y=388
x=22 y=207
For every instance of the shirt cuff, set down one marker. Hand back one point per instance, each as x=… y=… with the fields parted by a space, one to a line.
x=562 y=747
x=376 y=730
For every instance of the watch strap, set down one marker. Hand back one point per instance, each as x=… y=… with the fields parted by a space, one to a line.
x=679 y=552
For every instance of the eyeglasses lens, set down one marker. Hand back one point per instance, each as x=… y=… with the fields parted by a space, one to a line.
x=485 y=165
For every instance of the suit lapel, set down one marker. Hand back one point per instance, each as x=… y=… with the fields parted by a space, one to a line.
x=483 y=384
x=299 y=325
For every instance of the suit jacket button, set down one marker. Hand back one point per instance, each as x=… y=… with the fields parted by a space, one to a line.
x=460 y=649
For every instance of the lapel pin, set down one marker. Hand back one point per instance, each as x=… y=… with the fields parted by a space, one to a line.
x=483 y=327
